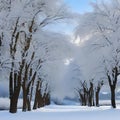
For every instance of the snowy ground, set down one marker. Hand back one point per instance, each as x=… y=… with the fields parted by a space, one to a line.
x=54 y=112
x=65 y=112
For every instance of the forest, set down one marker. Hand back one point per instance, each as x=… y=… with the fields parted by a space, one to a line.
x=42 y=60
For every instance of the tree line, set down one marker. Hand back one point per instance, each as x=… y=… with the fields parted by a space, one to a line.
x=101 y=50
x=22 y=23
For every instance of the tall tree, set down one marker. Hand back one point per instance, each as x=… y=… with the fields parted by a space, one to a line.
x=26 y=20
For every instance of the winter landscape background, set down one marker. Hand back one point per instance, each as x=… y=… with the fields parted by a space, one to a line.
x=59 y=59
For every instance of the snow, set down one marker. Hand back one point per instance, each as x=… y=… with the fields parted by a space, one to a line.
x=5 y=103
x=69 y=111
x=56 y=112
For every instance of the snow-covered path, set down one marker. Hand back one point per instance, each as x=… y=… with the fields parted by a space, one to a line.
x=54 y=112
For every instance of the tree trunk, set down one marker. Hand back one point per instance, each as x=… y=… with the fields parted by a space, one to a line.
x=24 y=108
x=47 y=100
x=14 y=100
x=13 y=105
x=29 y=103
x=91 y=95
x=113 y=103
x=26 y=100
x=41 y=102
x=97 y=98
x=35 y=106
x=11 y=85
x=14 y=88
x=112 y=84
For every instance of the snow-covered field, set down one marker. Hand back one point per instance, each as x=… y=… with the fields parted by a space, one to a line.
x=65 y=112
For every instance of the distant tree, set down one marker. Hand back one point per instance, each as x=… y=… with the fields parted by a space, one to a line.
x=97 y=91
x=41 y=98
x=87 y=94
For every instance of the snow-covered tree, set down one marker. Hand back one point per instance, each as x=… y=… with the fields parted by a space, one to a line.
x=22 y=23
x=100 y=29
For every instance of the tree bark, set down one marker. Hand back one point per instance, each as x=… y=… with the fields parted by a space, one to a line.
x=14 y=100
x=24 y=108
x=35 y=106
x=29 y=103
x=113 y=85
x=11 y=85
x=113 y=103
x=97 y=98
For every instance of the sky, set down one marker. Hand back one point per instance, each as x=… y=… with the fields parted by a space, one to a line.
x=80 y=6
x=77 y=6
